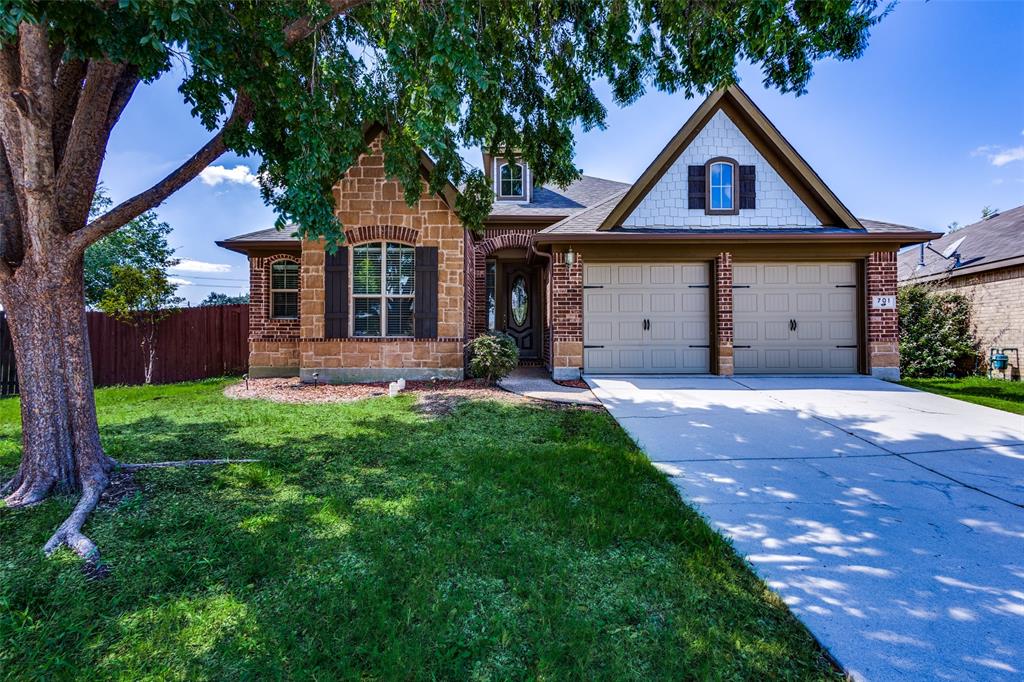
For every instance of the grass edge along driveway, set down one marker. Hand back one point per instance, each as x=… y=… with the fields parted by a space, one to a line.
x=1002 y=395
x=501 y=540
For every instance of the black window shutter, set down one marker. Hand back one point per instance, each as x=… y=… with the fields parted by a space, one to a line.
x=748 y=187
x=425 y=307
x=697 y=190
x=336 y=294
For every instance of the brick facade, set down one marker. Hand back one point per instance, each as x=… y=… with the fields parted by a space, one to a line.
x=273 y=343
x=723 y=314
x=883 y=354
x=566 y=303
x=997 y=309
x=372 y=208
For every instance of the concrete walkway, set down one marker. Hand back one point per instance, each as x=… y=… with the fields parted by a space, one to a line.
x=535 y=382
x=890 y=520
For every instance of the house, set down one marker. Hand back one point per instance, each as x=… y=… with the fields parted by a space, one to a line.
x=990 y=272
x=729 y=254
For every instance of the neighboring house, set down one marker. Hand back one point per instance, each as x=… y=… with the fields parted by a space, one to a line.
x=991 y=274
x=729 y=254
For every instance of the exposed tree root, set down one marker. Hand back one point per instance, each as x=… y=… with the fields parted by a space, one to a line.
x=183 y=463
x=70 y=532
x=24 y=495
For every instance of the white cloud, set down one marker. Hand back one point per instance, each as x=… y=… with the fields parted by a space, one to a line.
x=179 y=281
x=240 y=174
x=1006 y=156
x=189 y=265
x=1000 y=156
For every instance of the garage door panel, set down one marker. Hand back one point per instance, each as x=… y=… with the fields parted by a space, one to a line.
x=600 y=331
x=662 y=274
x=663 y=303
x=809 y=330
x=630 y=303
x=598 y=303
x=672 y=297
x=628 y=274
x=664 y=331
x=817 y=296
x=695 y=302
x=744 y=302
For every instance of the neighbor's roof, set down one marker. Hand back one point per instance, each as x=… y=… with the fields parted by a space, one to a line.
x=996 y=242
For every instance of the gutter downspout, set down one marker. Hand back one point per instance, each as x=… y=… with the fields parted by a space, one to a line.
x=551 y=337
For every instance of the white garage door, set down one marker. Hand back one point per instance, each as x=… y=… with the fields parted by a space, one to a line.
x=646 y=318
x=792 y=318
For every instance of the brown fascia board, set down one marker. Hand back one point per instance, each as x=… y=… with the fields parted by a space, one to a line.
x=763 y=134
x=901 y=238
x=246 y=248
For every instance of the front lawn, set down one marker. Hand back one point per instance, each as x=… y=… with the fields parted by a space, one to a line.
x=1002 y=395
x=378 y=540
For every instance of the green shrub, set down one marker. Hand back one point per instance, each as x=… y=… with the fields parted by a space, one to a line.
x=936 y=337
x=492 y=356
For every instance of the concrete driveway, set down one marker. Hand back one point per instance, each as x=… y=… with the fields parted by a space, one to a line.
x=890 y=520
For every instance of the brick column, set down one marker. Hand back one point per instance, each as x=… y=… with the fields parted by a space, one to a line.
x=566 y=317
x=723 y=313
x=883 y=325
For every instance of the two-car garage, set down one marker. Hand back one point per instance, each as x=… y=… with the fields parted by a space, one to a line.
x=657 y=318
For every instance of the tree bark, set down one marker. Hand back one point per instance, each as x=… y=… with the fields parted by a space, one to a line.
x=60 y=436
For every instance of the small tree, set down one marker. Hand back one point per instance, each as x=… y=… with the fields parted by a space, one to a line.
x=141 y=297
x=988 y=212
x=142 y=243
x=217 y=298
x=936 y=338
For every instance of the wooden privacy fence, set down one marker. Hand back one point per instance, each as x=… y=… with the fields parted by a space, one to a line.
x=193 y=343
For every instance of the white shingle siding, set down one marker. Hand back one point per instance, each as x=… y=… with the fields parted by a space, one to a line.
x=666 y=204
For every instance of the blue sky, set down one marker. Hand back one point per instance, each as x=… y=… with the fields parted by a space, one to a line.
x=925 y=129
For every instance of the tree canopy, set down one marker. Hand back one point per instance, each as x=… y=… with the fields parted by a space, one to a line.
x=503 y=74
x=217 y=298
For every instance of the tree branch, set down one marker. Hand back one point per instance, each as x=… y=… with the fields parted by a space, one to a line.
x=67 y=88
x=152 y=197
x=241 y=114
x=10 y=217
x=83 y=156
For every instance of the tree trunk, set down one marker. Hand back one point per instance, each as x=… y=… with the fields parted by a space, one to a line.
x=60 y=437
x=149 y=350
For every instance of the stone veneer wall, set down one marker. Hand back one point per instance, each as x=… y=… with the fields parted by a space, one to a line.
x=566 y=316
x=273 y=344
x=883 y=325
x=372 y=208
x=723 y=314
x=997 y=306
x=666 y=204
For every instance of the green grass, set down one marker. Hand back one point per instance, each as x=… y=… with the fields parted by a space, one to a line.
x=1002 y=395
x=502 y=541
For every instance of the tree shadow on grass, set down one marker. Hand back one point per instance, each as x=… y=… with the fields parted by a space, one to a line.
x=500 y=541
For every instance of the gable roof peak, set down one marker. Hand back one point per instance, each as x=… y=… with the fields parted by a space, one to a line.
x=734 y=102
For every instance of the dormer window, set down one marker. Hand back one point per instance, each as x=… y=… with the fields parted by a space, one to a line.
x=721 y=178
x=510 y=180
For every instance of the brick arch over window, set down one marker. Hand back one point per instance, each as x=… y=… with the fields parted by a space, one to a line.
x=381 y=233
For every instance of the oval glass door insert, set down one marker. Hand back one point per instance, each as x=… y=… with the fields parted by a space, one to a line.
x=519 y=302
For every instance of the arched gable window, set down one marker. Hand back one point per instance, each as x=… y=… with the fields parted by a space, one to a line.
x=284 y=290
x=510 y=180
x=721 y=194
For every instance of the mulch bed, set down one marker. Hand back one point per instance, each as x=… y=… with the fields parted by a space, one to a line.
x=291 y=390
x=572 y=383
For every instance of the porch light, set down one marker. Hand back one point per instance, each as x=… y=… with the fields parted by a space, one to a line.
x=570 y=257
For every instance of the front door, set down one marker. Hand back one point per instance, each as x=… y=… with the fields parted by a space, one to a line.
x=522 y=309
